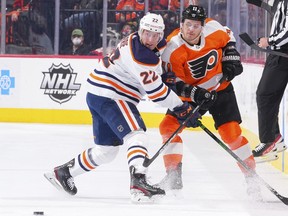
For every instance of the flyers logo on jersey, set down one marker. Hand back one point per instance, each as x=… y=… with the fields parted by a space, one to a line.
x=198 y=67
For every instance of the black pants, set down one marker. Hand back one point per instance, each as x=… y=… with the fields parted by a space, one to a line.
x=225 y=109
x=268 y=96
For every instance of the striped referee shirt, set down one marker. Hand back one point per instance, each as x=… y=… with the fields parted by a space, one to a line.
x=278 y=38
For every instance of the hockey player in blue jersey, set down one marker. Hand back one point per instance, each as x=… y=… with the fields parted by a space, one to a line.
x=115 y=87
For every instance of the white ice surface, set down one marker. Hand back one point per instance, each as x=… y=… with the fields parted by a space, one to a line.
x=213 y=184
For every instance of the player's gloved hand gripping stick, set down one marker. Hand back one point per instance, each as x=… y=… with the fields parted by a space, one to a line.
x=194 y=112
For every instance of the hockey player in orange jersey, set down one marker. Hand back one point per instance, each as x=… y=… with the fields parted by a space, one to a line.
x=199 y=53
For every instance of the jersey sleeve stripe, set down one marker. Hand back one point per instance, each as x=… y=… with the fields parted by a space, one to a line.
x=159 y=94
x=130 y=98
x=155 y=89
x=115 y=78
x=111 y=83
x=162 y=98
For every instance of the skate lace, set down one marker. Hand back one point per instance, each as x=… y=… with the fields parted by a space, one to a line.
x=260 y=147
x=70 y=183
x=147 y=182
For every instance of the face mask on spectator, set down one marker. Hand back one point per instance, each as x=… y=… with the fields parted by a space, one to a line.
x=76 y=41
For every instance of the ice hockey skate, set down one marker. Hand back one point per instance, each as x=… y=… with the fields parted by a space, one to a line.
x=62 y=179
x=141 y=191
x=266 y=152
x=172 y=180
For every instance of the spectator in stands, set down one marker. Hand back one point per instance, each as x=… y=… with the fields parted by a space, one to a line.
x=128 y=28
x=18 y=7
x=219 y=11
x=9 y=8
x=175 y=4
x=9 y=5
x=78 y=46
x=130 y=6
x=38 y=39
x=79 y=18
x=87 y=4
x=158 y=5
x=13 y=11
x=85 y=17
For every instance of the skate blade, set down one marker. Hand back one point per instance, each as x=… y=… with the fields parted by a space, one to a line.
x=266 y=158
x=279 y=148
x=50 y=176
x=272 y=156
x=138 y=197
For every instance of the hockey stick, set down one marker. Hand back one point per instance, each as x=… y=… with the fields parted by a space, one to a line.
x=247 y=39
x=239 y=160
x=261 y=4
x=148 y=161
x=270 y=9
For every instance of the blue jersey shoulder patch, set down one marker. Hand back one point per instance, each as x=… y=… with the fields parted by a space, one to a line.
x=141 y=53
x=162 y=44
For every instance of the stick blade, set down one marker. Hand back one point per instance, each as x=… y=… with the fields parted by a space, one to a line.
x=146 y=161
x=255 y=2
x=246 y=38
x=283 y=199
x=262 y=5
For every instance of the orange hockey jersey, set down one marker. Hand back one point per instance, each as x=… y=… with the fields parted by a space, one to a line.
x=198 y=64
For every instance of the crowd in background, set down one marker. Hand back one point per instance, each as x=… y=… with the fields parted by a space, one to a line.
x=30 y=23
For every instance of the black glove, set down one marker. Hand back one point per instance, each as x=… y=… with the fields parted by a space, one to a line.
x=169 y=78
x=231 y=64
x=204 y=97
x=182 y=113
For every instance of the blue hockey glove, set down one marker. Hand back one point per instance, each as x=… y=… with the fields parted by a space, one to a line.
x=183 y=112
x=169 y=78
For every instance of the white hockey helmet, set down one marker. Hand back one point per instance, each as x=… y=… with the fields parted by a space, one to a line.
x=152 y=22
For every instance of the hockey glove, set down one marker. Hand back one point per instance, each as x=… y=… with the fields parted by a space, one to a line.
x=203 y=97
x=182 y=112
x=169 y=78
x=231 y=64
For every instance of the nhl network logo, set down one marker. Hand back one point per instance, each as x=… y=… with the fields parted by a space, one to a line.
x=60 y=83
